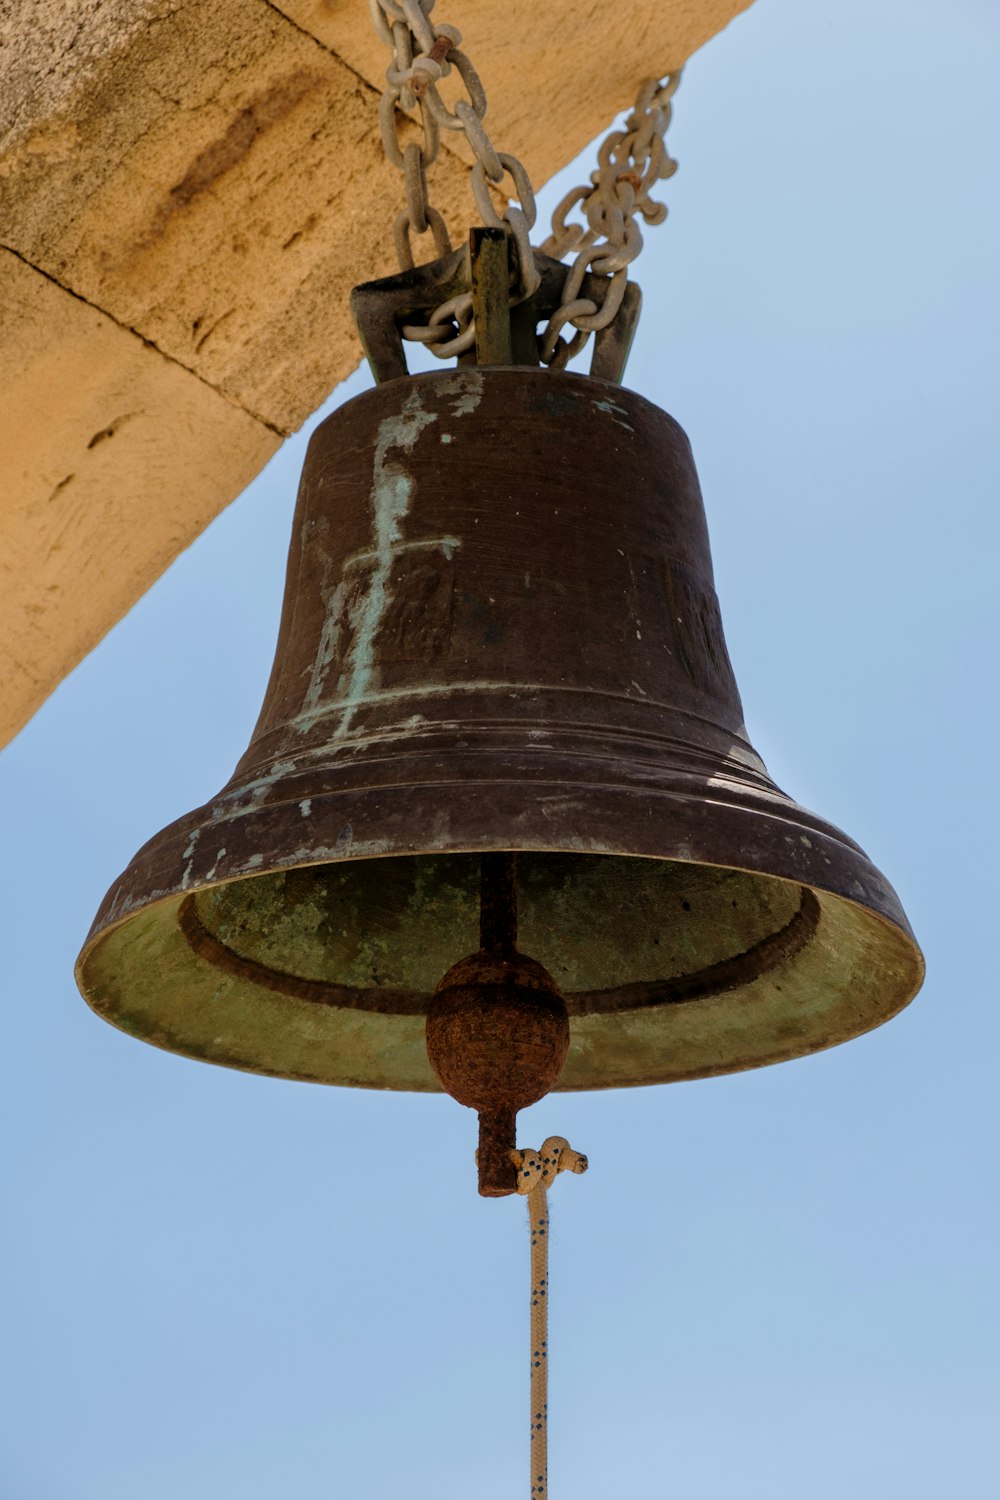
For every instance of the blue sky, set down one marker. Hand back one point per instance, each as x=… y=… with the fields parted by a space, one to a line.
x=773 y=1285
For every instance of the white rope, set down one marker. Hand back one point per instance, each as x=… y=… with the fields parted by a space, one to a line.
x=536 y=1172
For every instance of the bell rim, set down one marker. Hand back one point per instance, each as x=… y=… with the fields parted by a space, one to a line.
x=903 y=996
x=745 y=804
x=898 y=923
x=866 y=917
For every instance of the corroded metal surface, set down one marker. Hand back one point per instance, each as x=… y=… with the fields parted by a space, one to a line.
x=497 y=1028
x=497 y=1038
x=500 y=633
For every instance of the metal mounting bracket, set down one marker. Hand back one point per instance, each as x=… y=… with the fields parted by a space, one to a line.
x=504 y=334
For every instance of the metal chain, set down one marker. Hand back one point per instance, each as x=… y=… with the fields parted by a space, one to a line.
x=423 y=54
x=630 y=162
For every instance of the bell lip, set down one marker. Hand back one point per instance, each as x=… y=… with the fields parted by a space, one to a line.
x=899 y=923
x=888 y=911
x=904 y=995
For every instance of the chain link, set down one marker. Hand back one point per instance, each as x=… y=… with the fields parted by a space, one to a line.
x=423 y=54
x=630 y=162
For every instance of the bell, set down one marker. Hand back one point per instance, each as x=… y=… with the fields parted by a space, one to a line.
x=500 y=634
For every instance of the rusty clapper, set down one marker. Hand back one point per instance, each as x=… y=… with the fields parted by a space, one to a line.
x=500 y=635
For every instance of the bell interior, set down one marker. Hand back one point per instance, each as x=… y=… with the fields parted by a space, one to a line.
x=614 y=933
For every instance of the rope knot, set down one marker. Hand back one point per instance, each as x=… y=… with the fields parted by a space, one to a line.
x=541 y=1168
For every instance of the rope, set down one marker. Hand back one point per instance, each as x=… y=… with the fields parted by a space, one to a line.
x=536 y=1172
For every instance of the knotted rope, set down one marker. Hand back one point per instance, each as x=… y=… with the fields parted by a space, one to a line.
x=536 y=1172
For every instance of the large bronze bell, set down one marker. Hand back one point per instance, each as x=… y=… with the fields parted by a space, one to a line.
x=500 y=633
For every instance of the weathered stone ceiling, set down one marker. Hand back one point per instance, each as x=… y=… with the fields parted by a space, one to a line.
x=188 y=191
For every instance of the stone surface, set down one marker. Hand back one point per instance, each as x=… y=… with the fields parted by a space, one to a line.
x=188 y=190
x=91 y=423
x=556 y=73
x=217 y=185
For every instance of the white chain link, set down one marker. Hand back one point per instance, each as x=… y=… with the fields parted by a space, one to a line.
x=423 y=54
x=630 y=162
